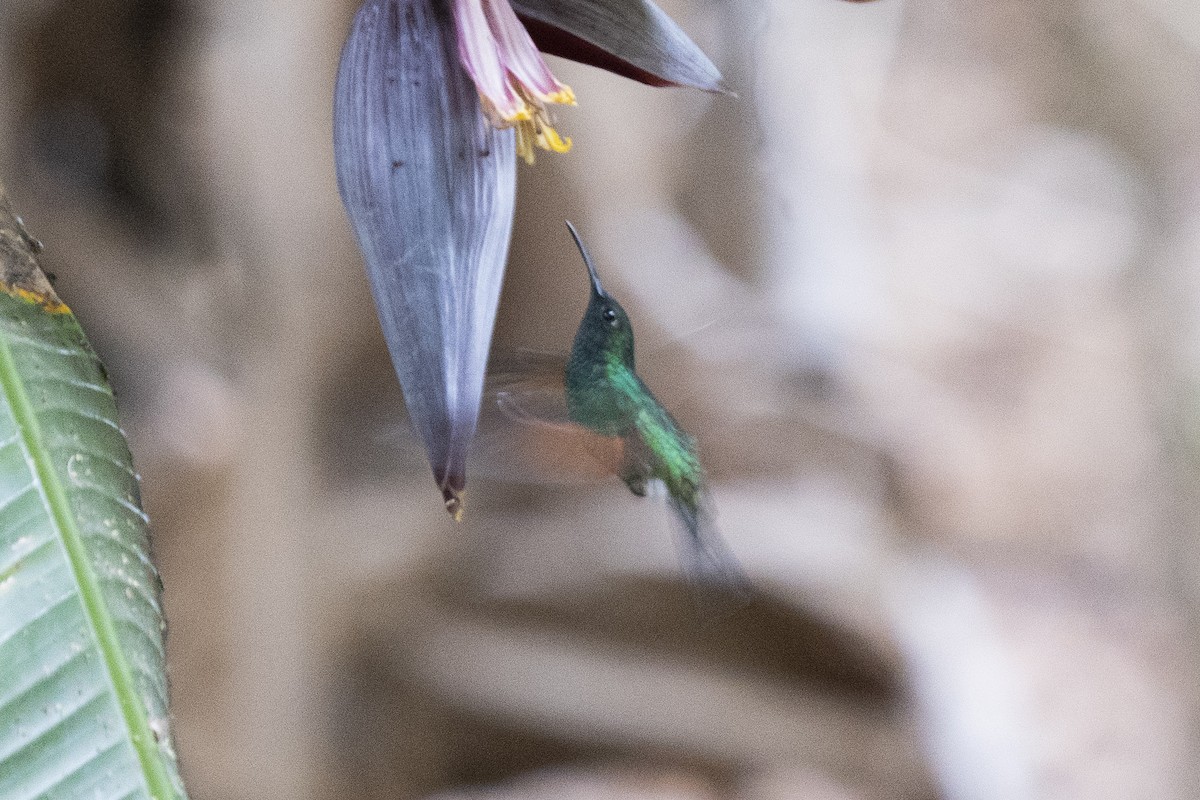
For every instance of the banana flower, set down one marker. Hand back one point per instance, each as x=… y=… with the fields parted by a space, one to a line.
x=435 y=100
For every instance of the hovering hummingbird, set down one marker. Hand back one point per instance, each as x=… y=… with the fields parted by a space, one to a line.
x=640 y=440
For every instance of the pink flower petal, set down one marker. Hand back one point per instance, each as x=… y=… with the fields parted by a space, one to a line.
x=480 y=55
x=520 y=55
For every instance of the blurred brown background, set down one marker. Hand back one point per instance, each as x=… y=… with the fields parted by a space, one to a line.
x=926 y=291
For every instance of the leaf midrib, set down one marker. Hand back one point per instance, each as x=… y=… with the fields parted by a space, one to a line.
x=54 y=498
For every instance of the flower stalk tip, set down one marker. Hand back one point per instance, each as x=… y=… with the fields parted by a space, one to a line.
x=454 y=503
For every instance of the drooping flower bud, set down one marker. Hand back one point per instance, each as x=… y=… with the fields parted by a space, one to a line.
x=429 y=186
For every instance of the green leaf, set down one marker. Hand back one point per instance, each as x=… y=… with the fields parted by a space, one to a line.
x=83 y=690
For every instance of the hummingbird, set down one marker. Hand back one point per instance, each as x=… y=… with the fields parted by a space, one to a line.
x=606 y=396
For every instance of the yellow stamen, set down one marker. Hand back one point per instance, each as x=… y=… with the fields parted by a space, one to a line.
x=564 y=96
x=532 y=121
x=520 y=115
x=548 y=139
x=537 y=131
x=525 y=142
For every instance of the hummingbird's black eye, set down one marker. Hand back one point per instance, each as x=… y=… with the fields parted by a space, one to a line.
x=610 y=316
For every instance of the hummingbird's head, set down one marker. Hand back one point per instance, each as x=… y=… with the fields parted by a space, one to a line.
x=605 y=329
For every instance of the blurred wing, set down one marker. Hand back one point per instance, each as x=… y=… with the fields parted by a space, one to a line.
x=526 y=434
x=527 y=387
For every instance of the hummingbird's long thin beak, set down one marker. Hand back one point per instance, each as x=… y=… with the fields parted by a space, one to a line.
x=587 y=260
